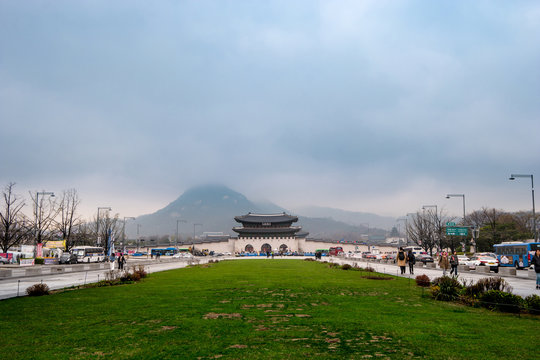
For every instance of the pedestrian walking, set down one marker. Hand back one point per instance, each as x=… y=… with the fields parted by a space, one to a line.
x=121 y=262
x=536 y=262
x=411 y=259
x=401 y=260
x=454 y=262
x=444 y=264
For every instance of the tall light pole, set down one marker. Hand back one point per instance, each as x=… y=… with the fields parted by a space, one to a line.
x=124 y=230
x=178 y=221
x=194 y=225
x=97 y=222
x=367 y=225
x=513 y=177
x=138 y=239
x=448 y=196
x=38 y=208
x=406 y=225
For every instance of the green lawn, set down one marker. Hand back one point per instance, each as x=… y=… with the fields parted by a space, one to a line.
x=259 y=309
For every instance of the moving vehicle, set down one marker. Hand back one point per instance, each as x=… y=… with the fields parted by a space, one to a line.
x=484 y=261
x=424 y=258
x=4 y=260
x=462 y=259
x=415 y=249
x=515 y=253
x=86 y=254
x=67 y=258
x=334 y=251
x=164 y=252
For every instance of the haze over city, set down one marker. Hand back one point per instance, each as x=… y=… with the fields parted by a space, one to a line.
x=374 y=106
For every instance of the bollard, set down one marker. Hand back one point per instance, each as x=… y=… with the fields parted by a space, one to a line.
x=18 y=286
x=85 y=275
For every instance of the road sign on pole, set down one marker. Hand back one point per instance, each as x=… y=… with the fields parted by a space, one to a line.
x=450 y=224
x=457 y=230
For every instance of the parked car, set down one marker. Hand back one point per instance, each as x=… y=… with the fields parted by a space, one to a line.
x=67 y=258
x=4 y=260
x=462 y=259
x=485 y=261
x=424 y=258
x=391 y=257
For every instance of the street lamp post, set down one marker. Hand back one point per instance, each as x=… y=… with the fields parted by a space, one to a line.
x=124 y=230
x=406 y=226
x=178 y=221
x=513 y=177
x=138 y=238
x=448 y=196
x=194 y=225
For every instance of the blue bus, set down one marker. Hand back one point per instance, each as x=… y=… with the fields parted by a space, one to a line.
x=515 y=253
x=170 y=251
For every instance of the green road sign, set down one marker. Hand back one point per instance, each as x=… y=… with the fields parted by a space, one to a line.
x=457 y=230
x=450 y=224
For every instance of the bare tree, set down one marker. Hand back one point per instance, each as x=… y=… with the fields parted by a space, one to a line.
x=13 y=223
x=419 y=232
x=497 y=226
x=69 y=219
x=45 y=211
x=110 y=229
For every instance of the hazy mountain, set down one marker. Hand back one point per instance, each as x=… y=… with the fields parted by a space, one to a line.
x=349 y=217
x=215 y=206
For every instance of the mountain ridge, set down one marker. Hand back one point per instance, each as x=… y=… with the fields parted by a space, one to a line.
x=212 y=208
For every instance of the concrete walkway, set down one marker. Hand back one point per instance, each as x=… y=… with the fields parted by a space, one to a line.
x=16 y=286
x=521 y=284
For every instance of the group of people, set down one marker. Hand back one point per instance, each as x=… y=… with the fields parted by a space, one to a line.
x=405 y=258
x=445 y=262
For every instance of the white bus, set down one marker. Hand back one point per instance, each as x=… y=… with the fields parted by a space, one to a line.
x=86 y=254
x=415 y=249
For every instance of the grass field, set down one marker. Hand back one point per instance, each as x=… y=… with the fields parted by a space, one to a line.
x=259 y=309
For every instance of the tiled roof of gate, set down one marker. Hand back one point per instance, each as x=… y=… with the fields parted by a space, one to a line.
x=269 y=230
x=266 y=218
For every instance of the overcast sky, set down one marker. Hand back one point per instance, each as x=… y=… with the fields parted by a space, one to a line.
x=376 y=106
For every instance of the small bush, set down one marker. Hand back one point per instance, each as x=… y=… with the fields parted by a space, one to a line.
x=532 y=303
x=140 y=272
x=446 y=289
x=346 y=267
x=309 y=259
x=39 y=261
x=38 y=290
x=423 y=281
x=333 y=265
x=369 y=269
x=502 y=301
x=476 y=290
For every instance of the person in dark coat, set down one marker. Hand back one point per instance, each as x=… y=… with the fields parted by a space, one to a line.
x=411 y=260
x=454 y=262
x=536 y=262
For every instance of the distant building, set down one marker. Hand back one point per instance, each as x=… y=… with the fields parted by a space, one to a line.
x=267 y=232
